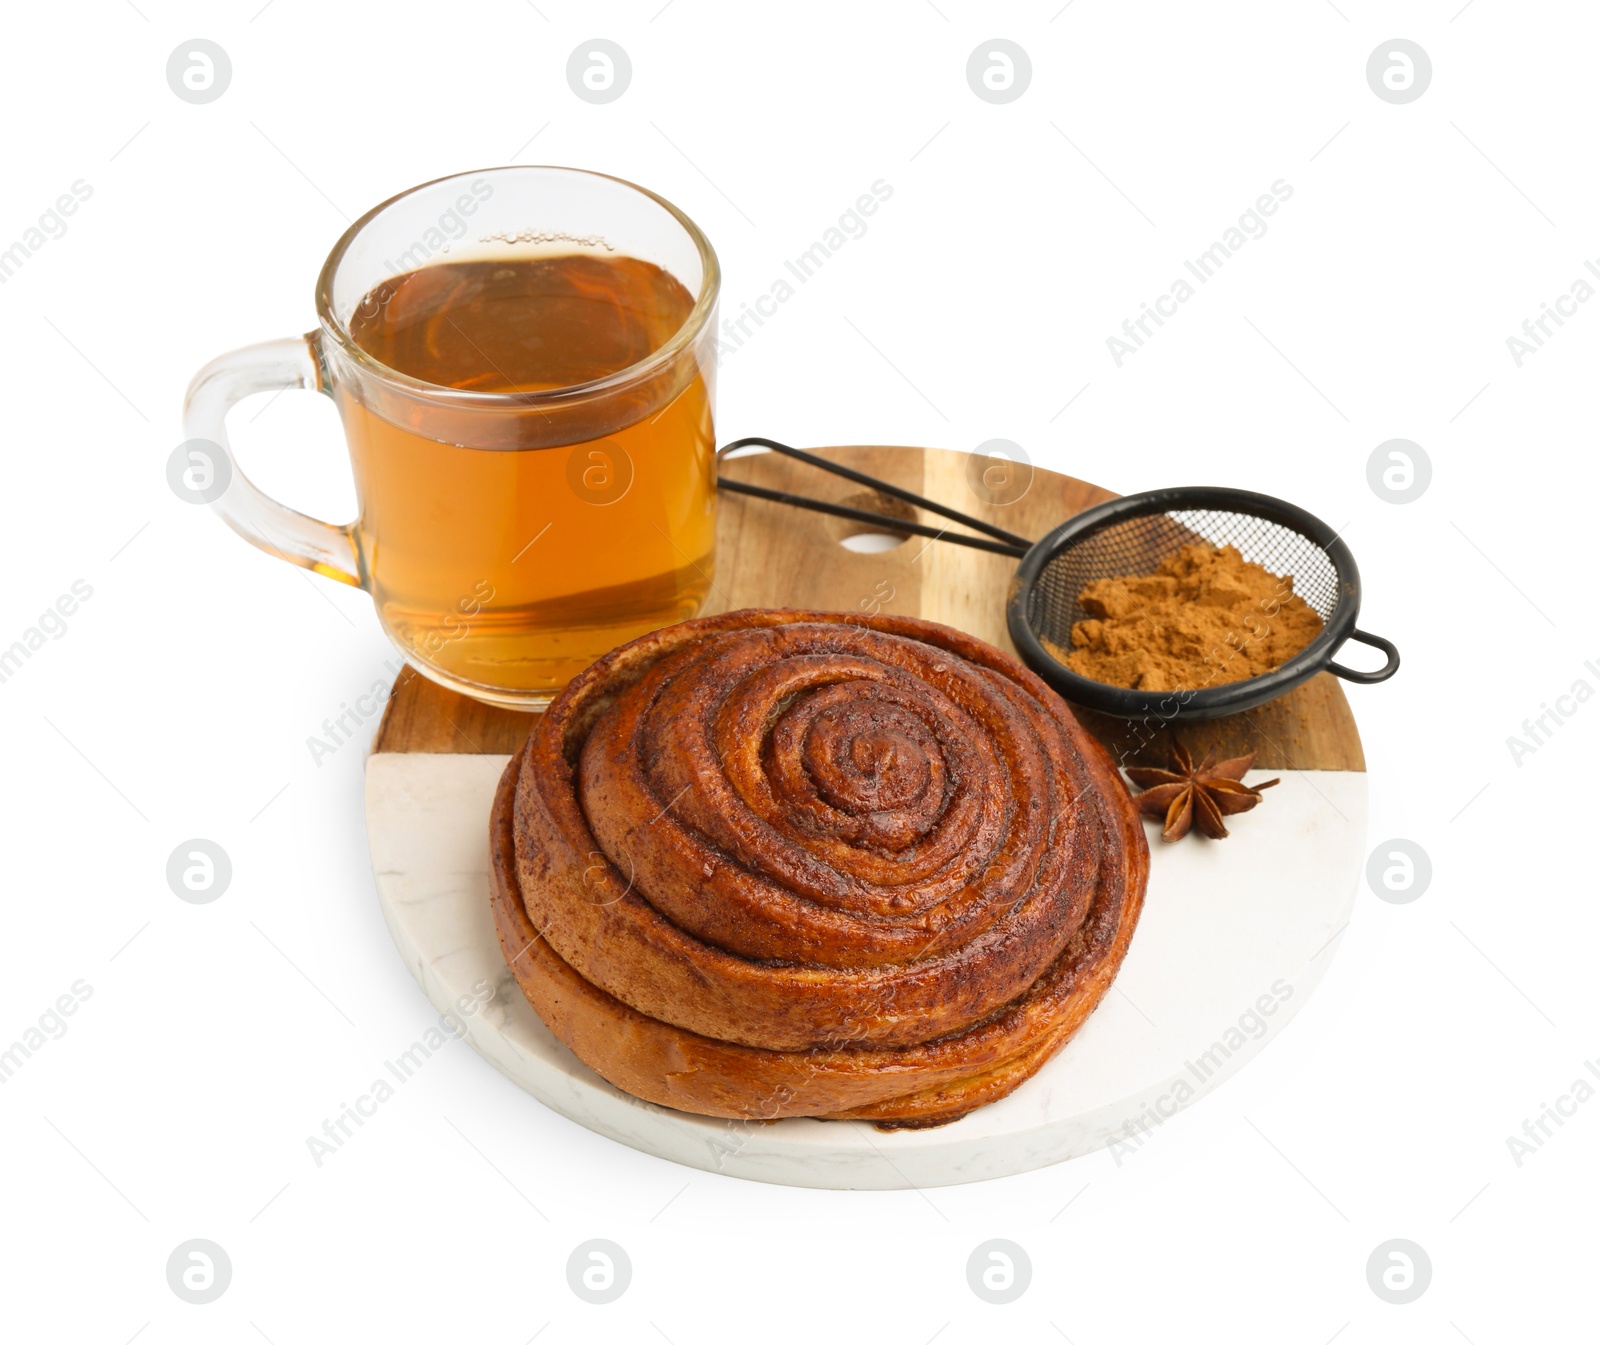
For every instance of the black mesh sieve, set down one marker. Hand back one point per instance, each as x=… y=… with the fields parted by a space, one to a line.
x=1132 y=535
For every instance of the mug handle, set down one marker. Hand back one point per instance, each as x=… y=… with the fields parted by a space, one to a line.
x=293 y=362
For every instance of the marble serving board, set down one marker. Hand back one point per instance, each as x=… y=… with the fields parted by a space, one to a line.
x=1226 y=952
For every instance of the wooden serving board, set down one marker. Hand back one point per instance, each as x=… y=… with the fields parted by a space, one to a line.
x=773 y=555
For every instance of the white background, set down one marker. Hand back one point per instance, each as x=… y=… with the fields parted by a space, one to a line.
x=179 y=700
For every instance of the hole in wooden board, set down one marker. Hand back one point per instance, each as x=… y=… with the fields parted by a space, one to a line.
x=871 y=543
x=870 y=538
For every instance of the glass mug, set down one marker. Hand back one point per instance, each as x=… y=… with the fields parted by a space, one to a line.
x=524 y=363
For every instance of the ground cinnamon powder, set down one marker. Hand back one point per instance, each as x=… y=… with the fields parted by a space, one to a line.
x=1206 y=616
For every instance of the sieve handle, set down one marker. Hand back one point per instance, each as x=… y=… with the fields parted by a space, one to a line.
x=887 y=522
x=1383 y=674
x=1014 y=545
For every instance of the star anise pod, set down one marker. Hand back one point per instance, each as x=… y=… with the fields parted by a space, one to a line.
x=1199 y=795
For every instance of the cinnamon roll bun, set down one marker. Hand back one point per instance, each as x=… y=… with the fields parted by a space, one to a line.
x=786 y=863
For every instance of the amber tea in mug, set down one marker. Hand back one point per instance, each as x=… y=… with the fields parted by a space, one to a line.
x=561 y=553
x=523 y=361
